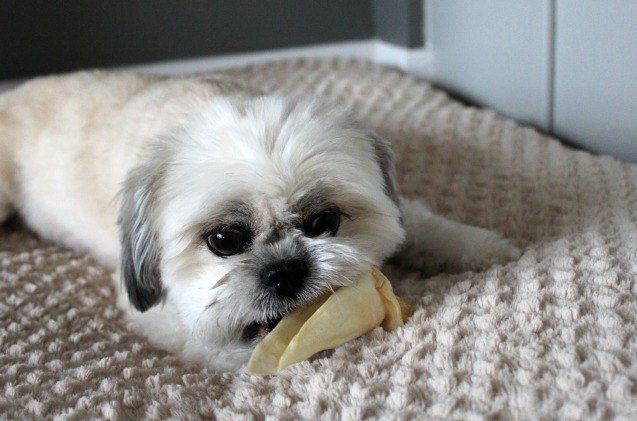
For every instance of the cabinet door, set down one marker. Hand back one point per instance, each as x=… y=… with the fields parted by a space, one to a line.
x=496 y=53
x=596 y=75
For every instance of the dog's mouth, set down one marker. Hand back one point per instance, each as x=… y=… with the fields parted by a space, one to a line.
x=259 y=330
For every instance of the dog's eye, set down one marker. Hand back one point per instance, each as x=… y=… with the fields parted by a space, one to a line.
x=324 y=222
x=227 y=241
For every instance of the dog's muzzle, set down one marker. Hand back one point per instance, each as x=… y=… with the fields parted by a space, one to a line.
x=286 y=277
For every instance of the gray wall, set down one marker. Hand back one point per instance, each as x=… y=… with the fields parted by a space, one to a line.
x=399 y=21
x=52 y=36
x=39 y=37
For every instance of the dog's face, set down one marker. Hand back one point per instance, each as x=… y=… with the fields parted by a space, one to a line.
x=252 y=208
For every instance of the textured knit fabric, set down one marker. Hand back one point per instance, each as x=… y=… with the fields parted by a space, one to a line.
x=552 y=335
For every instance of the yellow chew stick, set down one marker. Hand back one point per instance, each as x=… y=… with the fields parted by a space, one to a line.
x=329 y=322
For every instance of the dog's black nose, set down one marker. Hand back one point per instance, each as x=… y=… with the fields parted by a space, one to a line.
x=287 y=277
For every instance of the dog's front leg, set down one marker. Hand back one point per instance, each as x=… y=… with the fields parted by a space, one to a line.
x=435 y=244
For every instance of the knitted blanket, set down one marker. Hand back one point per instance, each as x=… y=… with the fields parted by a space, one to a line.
x=552 y=335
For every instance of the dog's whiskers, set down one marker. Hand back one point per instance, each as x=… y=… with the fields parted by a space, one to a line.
x=221 y=282
x=213 y=303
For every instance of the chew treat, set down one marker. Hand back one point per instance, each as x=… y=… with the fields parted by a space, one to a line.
x=330 y=321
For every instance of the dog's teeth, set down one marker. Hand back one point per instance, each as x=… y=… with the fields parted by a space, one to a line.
x=329 y=322
x=263 y=330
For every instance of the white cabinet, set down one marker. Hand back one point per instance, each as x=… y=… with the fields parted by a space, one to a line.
x=596 y=75
x=494 y=53
x=568 y=67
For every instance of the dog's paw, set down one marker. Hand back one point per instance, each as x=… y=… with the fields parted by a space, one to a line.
x=471 y=249
x=483 y=249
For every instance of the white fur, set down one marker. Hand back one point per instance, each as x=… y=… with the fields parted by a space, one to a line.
x=437 y=244
x=67 y=145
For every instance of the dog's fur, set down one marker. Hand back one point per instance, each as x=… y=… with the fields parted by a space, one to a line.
x=136 y=169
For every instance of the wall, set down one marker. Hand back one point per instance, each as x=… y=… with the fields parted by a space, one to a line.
x=39 y=37
x=399 y=22
x=50 y=36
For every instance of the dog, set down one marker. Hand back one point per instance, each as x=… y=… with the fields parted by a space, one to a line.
x=220 y=208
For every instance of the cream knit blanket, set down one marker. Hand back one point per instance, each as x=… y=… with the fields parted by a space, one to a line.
x=552 y=335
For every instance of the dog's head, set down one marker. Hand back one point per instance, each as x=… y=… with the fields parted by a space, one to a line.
x=252 y=208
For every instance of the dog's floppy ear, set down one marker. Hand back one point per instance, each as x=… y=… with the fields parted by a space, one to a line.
x=141 y=252
x=386 y=160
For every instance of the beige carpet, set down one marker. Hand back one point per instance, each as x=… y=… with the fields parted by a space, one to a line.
x=553 y=335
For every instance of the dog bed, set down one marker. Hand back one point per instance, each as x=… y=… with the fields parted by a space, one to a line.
x=551 y=335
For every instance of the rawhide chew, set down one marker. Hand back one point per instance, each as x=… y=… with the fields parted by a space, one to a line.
x=330 y=321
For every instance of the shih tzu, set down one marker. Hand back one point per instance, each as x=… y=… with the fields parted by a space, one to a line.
x=222 y=207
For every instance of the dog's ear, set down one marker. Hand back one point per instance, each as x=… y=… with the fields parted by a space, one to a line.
x=141 y=251
x=386 y=160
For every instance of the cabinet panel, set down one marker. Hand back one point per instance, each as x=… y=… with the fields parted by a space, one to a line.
x=596 y=75
x=495 y=53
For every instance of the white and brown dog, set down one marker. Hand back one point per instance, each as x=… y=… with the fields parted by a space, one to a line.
x=223 y=208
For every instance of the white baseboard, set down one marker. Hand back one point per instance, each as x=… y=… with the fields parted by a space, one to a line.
x=356 y=49
x=416 y=61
